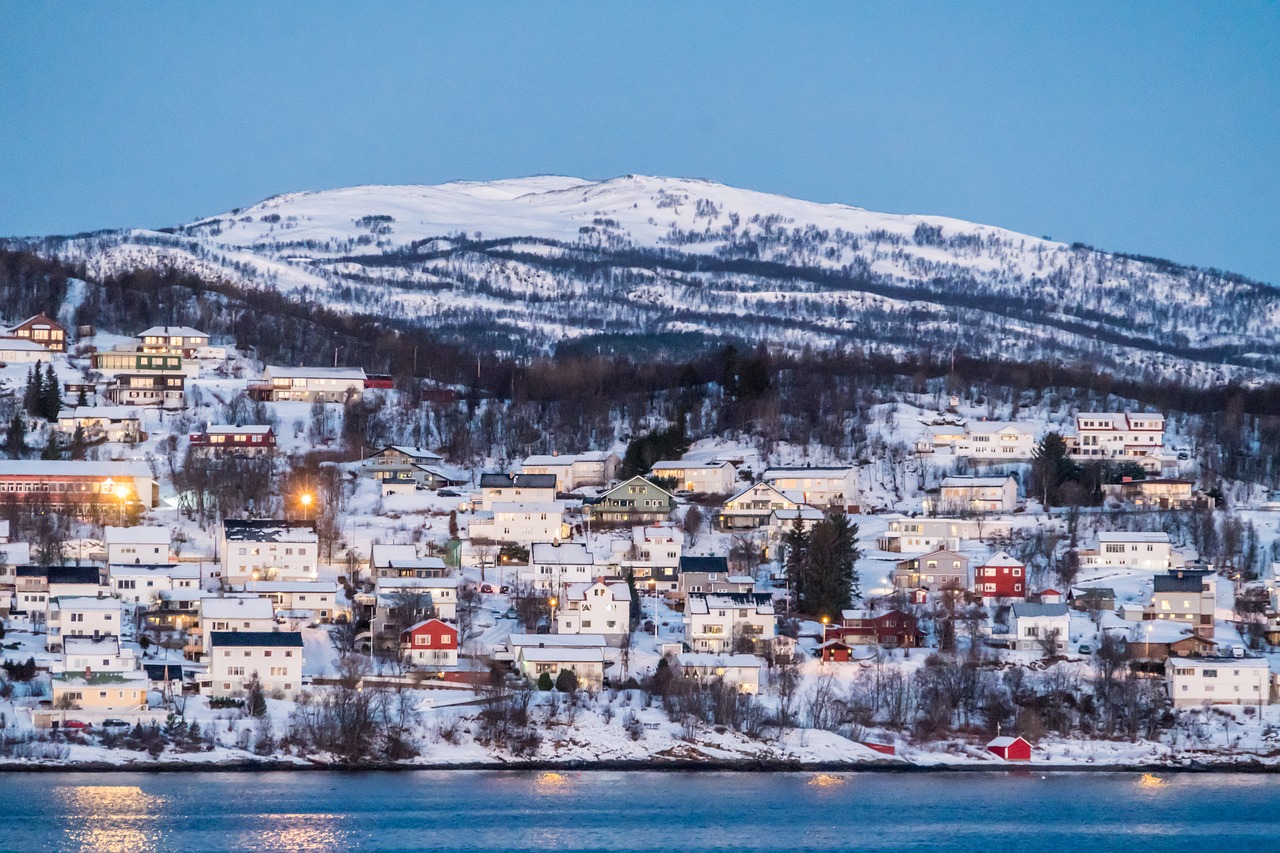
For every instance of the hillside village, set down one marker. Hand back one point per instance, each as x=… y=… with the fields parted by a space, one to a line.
x=205 y=557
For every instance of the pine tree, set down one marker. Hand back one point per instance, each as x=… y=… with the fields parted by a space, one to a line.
x=795 y=543
x=31 y=394
x=15 y=441
x=51 y=450
x=78 y=443
x=567 y=681
x=50 y=395
x=544 y=682
x=82 y=399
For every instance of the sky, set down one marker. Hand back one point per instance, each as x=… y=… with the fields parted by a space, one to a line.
x=1141 y=127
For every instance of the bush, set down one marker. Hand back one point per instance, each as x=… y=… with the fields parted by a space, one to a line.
x=544 y=682
x=566 y=681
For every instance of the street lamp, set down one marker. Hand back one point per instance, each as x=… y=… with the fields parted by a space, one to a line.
x=306 y=499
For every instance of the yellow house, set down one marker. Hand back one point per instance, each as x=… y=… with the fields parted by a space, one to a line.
x=106 y=692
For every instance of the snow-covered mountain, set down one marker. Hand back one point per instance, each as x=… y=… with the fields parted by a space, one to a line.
x=528 y=264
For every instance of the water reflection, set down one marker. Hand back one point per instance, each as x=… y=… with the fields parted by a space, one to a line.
x=311 y=833
x=827 y=780
x=113 y=818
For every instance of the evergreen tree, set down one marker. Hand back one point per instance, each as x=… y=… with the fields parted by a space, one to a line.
x=31 y=394
x=823 y=566
x=15 y=441
x=567 y=681
x=544 y=682
x=52 y=450
x=81 y=399
x=1051 y=467
x=635 y=598
x=50 y=395
x=795 y=543
x=78 y=443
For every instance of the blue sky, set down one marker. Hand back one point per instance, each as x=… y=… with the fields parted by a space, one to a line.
x=1141 y=127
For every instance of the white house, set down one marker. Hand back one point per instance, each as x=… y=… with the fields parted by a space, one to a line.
x=443 y=592
x=573 y=471
x=1218 y=681
x=553 y=565
x=302 y=599
x=711 y=478
x=740 y=671
x=382 y=554
x=81 y=616
x=273 y=658
x=595 y=608
x=96 y=655
x=1110 y=435
x=996 y=440
x=175 y=340
x=514 y=488
x=143 y=584
x=713 y=621
x=586 y=663
x=114 y=423
x=1141 y=550
x=308 y=384
x=234 y=613
x=138 y=545
x=15 y=350
x=753 y=506
x=820 y=487
x=265 y=549
x=1033 y=623
x=521 y=523
x=975 y=494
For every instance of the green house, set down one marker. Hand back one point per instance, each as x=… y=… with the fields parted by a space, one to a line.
x=637 y=501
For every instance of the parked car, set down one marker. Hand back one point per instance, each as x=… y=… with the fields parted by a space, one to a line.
x=448 y=493
x=1086 y=649
x=486 y=588
x=75 y=724
x=114 y=724
x=504 y=589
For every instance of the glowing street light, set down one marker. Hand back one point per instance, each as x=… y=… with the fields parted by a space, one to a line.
x=306 y=499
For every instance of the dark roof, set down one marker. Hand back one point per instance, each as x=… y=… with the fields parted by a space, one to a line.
x=704 y=564
x=1180 y=582
x=61 y=574
x=517 y=481
x=273 y=639
x=262 y=529
x=163 y=671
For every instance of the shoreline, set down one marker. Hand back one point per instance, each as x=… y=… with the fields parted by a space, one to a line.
x=1252 y=766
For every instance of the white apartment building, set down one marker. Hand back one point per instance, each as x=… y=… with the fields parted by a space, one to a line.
x=81 y=616
x=143 y=584
x=1218 y=681
x=139 y=545
x=712 y=621
x=237 y=658
x=834 y=486
x=595 y=608
x=1114 y=434
x=300 y=598
x=234 y=613
x=996 y=440
x=308 y=384
x=1151 y=551
x=265 y=549
x=711 y=478
x=443 y=593
x=573 y=471
x=521 y=523
x=740 y=671
x=514 y=488
x=555 y=565
x=975 y=494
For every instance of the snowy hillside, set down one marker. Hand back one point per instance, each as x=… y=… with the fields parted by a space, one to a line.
x=527 y=264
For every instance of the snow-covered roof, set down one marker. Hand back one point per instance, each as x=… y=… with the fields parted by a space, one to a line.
x=565 y=655
x=974 y=482
x=1134 y=538
x=562 y=554
x=269 y=530
x=703 y=602
x=171 y=332
x=100 y=413
x=247 y=429
x=705 y=659
x=20 y=345
x=678 y=465
x=435 y=563
x=350 y=373
x=235 y=608
x=560 y=641
x=993 y=427
x=108 y=645
x=168 y=570
x=393 y=584
x=420 y=453
x=1001 y=559
x=73 y=468
x=548 y=461
x=87 y=603
x=382 y=554
x=838 y=472
x=578 y=591
x=549 y=507
x=137 y=535
x=294 y=586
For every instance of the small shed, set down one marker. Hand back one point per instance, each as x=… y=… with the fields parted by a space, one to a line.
x=1010 y=748
x=834 y=651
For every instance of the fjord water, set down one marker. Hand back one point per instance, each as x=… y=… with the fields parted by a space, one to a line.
x=637 y=811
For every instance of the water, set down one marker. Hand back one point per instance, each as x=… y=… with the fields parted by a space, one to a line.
x=1020 y=811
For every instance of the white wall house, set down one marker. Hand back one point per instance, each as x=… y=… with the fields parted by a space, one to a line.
x=274 y=659
x=300 y=598
x=554 y=565
x=586 y=663
x=235 y=613
x=595 y=608
x=712 y=478
x=1033 y=623
x=835 y=486
x=307 y=384
x=81 y=616
x=514 y=488
x=1151 y=551
x=572 y=471
x=1110 y=435
x=443 y=592
x=114 y=423
x=138 y=544
x=996 y=440
x=265 y=549
x=960 y=495
x=521 y=523
x=712 y=621
x=143 y=584
x=740 y=671
x=753 y=506
x=1218 y=681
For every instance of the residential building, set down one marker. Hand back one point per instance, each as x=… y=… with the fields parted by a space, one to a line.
x=382 y=554
x=894 y=629
x=1001 y=576
x=398 y=461
x=573 y=471
x=177 y=340
x=555 y=565
x=1035 y=625
x=1218 y=681
x=595 y=608
x=1186 y=595
x=316 y=600
x=710 y=478
x=137 y=544
x=115 y=362
x=266 y=549
x=22 y=351
x=961 y=495
x=71 y=483
x=274 y=659
x=149 y=583
x=586 y=663
x=710 y=574
x=835 y=487
x=996 y=441
x=1162 y=493
x=166 y=390
x=87 y=655
x=309 y=384
x=938 y=570
x=80 y=616
x=520 y=523
x=726 y=622
x=738 y=671
x=430 y=644
x=636 y=501
x=235 y=613
x=111 y=423
x=418 y=567
x=224 y=440
x=654 y=556
x=42 y=329
x=514 y=488
x=753 y=506
x=1112 y=435
x=1143 y=550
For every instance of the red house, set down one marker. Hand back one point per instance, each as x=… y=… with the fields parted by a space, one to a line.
x=430 y=643
x=834 y=651
x=1010 y=748
x=893 y=629
x=1001 y=577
